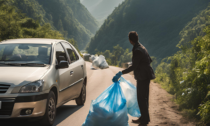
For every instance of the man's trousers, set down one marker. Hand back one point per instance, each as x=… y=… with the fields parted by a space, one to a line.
x=143 y=100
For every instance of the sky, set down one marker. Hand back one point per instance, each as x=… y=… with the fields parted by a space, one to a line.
x=101 y=9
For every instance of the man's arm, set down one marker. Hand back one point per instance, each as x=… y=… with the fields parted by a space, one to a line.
x=136 y=61
x=128 y=70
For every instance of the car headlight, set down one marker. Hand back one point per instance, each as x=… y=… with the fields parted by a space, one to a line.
x=32 y=87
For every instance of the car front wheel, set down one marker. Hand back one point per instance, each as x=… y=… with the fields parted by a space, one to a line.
x=81 y=99
x=50 y=113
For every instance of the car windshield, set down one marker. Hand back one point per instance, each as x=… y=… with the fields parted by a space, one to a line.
x=25 y=53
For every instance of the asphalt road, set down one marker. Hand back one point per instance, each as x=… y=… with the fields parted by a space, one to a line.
x=163 y=112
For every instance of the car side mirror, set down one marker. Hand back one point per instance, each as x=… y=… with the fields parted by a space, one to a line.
x=62 y=65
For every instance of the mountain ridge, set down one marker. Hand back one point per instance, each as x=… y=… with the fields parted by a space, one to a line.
x=158 y=24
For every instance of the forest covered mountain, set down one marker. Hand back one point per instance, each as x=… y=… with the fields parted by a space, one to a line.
x=158 y=24
x=101 y=9
x=69 y=17
x=187 y=72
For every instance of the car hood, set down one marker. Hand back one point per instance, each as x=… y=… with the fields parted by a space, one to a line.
x=21 y=75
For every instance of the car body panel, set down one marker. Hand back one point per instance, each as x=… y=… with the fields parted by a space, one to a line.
x=73 y=85
x=74 y=75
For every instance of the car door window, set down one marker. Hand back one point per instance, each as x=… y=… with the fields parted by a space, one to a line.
x=60 y=52
x=72 y=54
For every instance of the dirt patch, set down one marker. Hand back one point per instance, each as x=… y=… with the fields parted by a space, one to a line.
x=164 y=112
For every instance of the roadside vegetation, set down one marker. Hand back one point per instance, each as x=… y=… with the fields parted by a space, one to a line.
x=186 y=74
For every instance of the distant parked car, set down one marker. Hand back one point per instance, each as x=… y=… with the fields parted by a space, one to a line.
x=39 y=75
x=86 y=57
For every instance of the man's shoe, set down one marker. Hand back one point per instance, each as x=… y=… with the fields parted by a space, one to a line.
x=136 y=121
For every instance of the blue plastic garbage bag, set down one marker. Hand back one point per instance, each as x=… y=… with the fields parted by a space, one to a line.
x=129 y=91
x=109 y=109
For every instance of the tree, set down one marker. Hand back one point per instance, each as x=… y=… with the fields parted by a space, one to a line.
x=14 y=24
x=107 y=54
x=74 y=43
x=126 y=57
x=154 y=62
x=117 y=52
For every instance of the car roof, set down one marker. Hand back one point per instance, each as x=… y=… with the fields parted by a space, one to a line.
x=32 y=40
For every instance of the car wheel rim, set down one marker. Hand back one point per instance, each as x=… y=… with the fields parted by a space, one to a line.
x=51 y=109
x=83 y=94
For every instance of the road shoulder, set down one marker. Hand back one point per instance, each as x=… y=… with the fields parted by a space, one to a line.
x=164 y=112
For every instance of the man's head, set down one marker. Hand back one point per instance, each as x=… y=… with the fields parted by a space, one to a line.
x=133 y=37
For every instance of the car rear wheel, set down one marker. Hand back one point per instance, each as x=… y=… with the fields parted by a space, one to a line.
x=50 y=113
x=82 y=98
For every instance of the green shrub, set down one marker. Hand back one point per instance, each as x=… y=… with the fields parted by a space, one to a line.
x=204 y=112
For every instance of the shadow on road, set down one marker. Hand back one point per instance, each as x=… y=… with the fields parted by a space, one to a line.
x=65 y=111
x=62 y=113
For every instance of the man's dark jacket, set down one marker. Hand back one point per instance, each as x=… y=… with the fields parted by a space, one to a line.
x=141 y=64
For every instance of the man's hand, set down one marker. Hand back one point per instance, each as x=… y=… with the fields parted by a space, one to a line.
x=117 y=76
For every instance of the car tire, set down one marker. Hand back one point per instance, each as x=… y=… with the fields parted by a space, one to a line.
x=50 y=112
x=82 y=98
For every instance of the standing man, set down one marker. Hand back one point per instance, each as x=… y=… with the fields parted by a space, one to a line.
x=143 y=73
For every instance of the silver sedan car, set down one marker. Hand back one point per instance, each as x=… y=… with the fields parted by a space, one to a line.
x=39 y=75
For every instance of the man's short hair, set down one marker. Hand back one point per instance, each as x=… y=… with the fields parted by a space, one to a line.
x=133 y=36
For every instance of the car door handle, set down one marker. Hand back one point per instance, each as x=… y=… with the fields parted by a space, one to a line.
x=71 y=73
